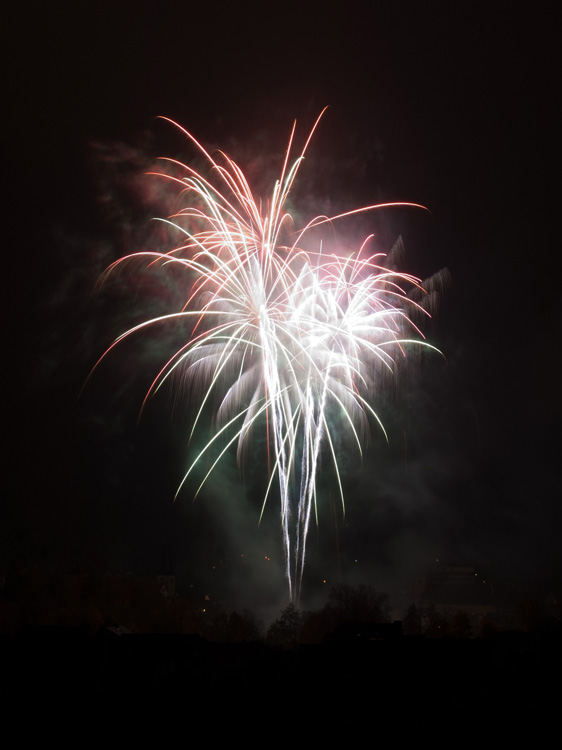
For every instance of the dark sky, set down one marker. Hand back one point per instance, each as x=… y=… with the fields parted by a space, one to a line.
x=453 y=106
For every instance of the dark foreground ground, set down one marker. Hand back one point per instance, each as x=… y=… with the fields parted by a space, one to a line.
x=508 y=683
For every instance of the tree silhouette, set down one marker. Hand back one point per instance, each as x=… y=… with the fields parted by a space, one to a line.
x=413 y=621
x=287 y=629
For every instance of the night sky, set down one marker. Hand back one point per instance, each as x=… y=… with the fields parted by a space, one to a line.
x=454 y=106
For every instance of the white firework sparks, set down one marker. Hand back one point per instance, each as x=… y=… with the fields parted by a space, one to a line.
x=285 y=337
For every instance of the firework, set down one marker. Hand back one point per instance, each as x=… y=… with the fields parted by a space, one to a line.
x=285 y=338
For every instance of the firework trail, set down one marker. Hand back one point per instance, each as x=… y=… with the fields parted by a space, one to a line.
x=285 y=337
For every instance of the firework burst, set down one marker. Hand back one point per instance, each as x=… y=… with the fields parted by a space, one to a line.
x=286 y=339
